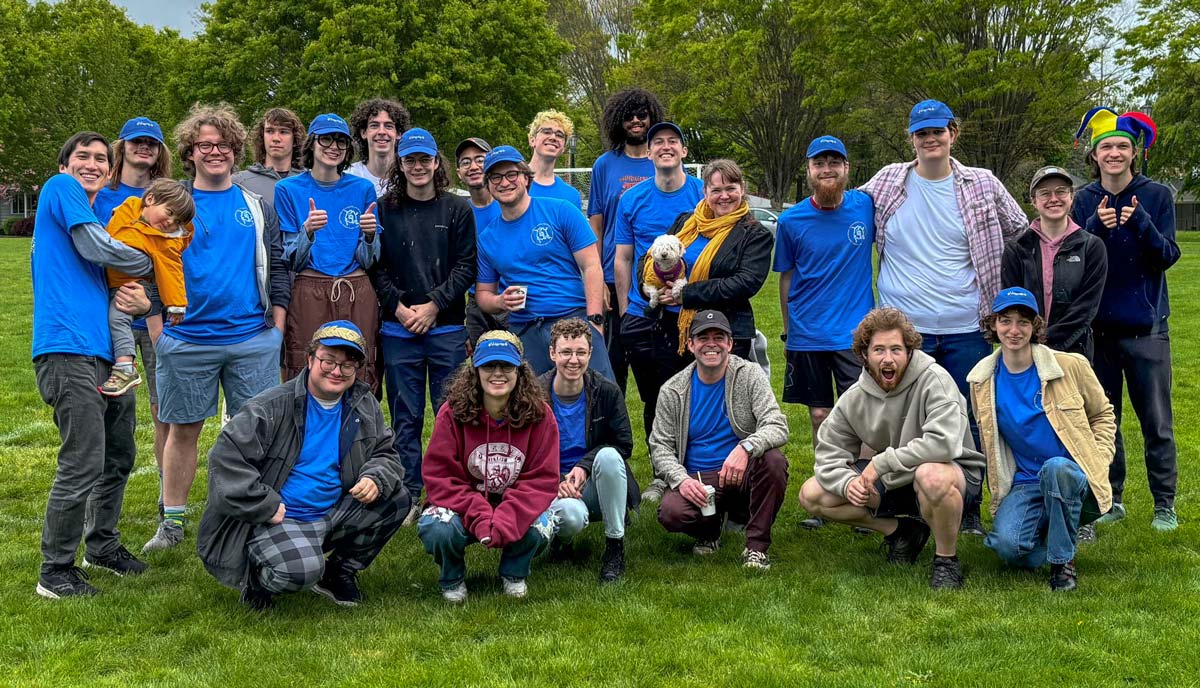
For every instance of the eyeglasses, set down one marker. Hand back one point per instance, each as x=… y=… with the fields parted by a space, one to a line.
x=328 y=365
x=144 y=142
x=640 y=114
x=467 y=162
x=497 y=367
x=207 y=147
x=1056 y=192
x=555 y=133
x=333 y=141
x=578 y=353
x=510 y=176
x=411 y=161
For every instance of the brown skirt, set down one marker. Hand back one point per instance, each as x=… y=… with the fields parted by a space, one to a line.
x=318 y=299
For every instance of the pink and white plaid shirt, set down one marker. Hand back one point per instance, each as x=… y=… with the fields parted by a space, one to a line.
x=990 y=213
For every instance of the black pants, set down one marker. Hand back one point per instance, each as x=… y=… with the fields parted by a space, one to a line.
x=650 y=349
x=612 y=338
x=1145 y=364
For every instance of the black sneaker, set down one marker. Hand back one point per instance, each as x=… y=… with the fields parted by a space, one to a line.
x=66 y=582
x=947 y=574
x=340 y=585
x=905 y=543
x=561 y=550
x=120 y=562
x=972 y=524
x=1063 y=577
x=1087 y=533
x=812 y=523
x=255 y=596
x=612 y=563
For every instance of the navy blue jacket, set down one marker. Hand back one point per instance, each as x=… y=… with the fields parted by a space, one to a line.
x=1139 y=252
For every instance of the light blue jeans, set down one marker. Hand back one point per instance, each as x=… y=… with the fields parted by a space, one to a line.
x=445 y=538
x=1037 y=522
x=604 y=496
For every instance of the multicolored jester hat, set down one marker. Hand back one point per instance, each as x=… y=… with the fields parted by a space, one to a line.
x=1105 y=122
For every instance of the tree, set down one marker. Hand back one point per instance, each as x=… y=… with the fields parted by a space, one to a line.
x=594 y=29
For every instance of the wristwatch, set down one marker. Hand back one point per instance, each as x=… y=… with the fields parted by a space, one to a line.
x=745 y=444
x=596 y=319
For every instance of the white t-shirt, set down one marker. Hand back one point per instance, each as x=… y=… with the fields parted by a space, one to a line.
x=359 y=169
x=926 y=268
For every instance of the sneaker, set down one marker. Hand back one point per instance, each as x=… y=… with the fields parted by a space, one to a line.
x=254 y=595
x=414 y=515
x=947 y=574
x=120 y=562
x=168 y=535
x=67 y=582
x=612 y=562
x=457 y=594
x=972 y=524
x=1165 y=519
x=705 y=547
x=732 y=526
x=119 y=382
x=1086 y=533
x=812 y=523
x=905 y=543
x=753 y=559
x=514 y=587
x=340 y=585
x=1063 y=577
x=561 y=550
x=1116 y=513
x=655 y=491
x=859 y=530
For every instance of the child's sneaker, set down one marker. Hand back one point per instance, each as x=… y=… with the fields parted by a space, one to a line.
x=120 y=382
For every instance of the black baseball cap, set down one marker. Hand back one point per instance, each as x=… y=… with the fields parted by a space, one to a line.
x=473 y=141
x=709 y=320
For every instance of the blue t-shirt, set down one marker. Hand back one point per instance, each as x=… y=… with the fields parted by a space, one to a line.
x=315 y=483
x=613 y=174
x=483 y=218
x=218 y=268
x=559 y=189
x=710 y=435
x=537 y=251
x=106 y=202
x=1023 y=424
x=644 y=213
x=829 y=255
x=70 y=295
x=344 y=200
x=572 y=435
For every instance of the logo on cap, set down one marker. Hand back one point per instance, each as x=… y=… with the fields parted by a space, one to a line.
x=709 y=316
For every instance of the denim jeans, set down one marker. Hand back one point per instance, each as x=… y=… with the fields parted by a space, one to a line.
x=446 y=539
x=94 y=460
x=958 y=354
x=1037 y=522
x=189 y=375
x=535 y=338
x=604 y=496
x=408 y=363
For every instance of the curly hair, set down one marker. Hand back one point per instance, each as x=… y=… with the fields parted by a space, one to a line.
x=884 y=320
x=397 y=184
x=162 y=168
x=281 y=117
x=570 y=328
x=526 y=405
x=623 y=103
x=361 y=117
x=988 y=325
x=308 y=152
x=221 y=117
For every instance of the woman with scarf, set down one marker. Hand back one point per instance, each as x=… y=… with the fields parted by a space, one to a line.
x=727 y=253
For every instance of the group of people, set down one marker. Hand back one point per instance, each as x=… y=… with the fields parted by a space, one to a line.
x=516 y=312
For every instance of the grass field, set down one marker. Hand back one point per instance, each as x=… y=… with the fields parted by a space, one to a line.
x=829 y=613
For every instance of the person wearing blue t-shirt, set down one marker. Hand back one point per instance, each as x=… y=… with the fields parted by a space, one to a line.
x=329 y=225
x=72 y=357
x=627 y=116
x=549 y=133
x=1048 y=433
x=823 y=257
x=544 y=251
x=238 y=293
x=469 y=156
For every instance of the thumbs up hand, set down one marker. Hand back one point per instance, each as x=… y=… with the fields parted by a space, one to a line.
x=367 y=222
x=1128 y=211
x=1107 y=215
x=317 y=219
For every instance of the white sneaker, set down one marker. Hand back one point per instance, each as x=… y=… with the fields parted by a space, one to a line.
x=456 y=595
x=654 y=492
x=514 y=587
x=753 y=559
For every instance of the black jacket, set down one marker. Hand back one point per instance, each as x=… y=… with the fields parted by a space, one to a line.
x=738 y=271
x=1079 y=272
x=426 y=253
x=607 y=421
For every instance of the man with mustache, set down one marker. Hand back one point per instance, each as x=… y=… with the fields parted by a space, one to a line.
x=909 y=409
x=823 y=255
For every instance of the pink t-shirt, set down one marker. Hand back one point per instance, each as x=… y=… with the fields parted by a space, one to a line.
x=1049 y=251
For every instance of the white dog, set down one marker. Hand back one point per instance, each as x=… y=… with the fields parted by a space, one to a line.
x=667 y=254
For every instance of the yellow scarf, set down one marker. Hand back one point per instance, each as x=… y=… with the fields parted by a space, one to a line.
x=715 y=229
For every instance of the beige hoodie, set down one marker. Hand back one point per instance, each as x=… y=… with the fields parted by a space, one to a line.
x=922 y=420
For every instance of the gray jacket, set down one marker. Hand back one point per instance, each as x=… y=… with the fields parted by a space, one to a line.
x=261 y=180
x=255 y=453
x=749 y=403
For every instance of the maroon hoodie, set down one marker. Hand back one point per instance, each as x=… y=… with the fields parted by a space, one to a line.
x=520 y=465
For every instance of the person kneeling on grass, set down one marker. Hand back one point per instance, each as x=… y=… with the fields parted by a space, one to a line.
x=716 y=439
x=304 y=469
x=1048 y=433
x=594 y=442
x=491 y=469
x=907 y=408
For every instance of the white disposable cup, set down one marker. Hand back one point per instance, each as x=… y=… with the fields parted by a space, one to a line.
x=710 y=506
x=524 y=292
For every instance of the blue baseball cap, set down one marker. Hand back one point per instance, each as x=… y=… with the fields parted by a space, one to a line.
x=665 y=125
x=341 y=333
x=501 y=154
x=493 y=347
x=328 y=123
x=929 y=114
x=141 y=127
x=826 y=144
x=1014 y=296
x=416 y=140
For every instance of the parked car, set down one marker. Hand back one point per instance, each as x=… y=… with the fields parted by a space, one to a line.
x=767 y=217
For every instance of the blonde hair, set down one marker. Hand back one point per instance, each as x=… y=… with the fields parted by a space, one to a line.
x=221 y=117
x=551 y=116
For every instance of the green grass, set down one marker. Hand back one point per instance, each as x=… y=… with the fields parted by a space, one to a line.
x=828 y=613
